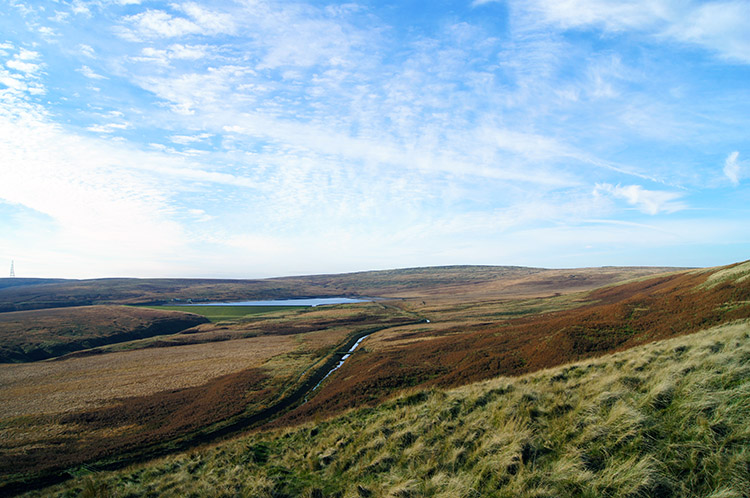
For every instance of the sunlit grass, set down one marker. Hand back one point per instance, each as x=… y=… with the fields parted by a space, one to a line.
x=666 y=419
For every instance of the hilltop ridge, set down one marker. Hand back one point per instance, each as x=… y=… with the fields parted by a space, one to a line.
x=471 y=282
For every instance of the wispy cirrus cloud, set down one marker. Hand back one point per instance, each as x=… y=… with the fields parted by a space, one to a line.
x=90 y=73
x=154 y=23
x=81 y=185
x=651 y=202
x=341 y=136
x=732 y=168
x=718 y=26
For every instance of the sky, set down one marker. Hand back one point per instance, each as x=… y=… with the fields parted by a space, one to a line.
x=258 y=138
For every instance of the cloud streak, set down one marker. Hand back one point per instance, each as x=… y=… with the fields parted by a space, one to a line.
x=718 y=26
x=732 y=168
x=650 y=202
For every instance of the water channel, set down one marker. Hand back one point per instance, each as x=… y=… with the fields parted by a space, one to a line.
x=340 y=363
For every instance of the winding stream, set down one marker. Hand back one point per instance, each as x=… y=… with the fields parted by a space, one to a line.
x=340 y=364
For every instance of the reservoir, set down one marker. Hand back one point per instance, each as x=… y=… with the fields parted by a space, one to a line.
x=316 y=301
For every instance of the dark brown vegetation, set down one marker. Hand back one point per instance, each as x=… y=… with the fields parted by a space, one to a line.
x=41 y=334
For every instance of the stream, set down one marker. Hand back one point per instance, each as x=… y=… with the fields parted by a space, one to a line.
x=339 y=365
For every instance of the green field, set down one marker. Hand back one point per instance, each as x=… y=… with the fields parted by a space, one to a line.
x=223 y=313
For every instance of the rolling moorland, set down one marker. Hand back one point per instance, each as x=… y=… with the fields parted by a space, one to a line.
x=128 y=401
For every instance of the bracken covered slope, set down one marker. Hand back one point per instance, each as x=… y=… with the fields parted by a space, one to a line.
x=617 y=318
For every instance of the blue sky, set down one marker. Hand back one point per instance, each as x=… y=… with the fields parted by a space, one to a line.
x=258 y=138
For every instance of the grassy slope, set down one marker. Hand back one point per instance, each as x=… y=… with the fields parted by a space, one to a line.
x=667 y=419
x=41 y=334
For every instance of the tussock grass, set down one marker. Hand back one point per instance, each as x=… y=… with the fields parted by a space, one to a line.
x=667 y=419
x=738 y=272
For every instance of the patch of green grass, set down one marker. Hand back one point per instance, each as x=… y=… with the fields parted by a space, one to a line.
x=670 y=418
x=225 y=313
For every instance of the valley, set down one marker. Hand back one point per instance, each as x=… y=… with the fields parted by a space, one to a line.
x=128 y=400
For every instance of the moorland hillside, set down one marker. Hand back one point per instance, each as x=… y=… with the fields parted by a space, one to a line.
x=118 y=404
x=666 y=419
x=466 y=344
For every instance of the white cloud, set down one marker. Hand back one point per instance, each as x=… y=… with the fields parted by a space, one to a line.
x=108 y=127
x=190 y=90
x=24 y=77
x=157 y=23
x=80 y=7
x=87 y=50
x=211 y=21
x=47 y=32
x=25 y=55
x=200 y=215
x=187 y=52
x=101 y=210
x=173 y=52
x=615 y=16
x=189 y=139
x=24 y=67
x=720 y=26
x=20 y=62
x=160 y=24
x=648 y=201
x=732 y=168
x=89 y=73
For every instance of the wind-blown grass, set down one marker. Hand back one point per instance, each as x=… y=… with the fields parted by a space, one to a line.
x=671 y=418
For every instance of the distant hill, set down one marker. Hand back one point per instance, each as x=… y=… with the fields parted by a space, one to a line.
x=18 y=282
x=469 y=282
